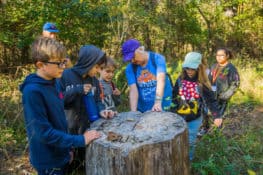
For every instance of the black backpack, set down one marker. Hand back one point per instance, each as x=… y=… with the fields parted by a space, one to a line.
x=151 y=54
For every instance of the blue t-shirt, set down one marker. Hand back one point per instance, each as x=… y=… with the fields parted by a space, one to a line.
x=147 y=82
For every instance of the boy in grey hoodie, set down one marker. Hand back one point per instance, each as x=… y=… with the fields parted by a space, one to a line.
x=78 y=81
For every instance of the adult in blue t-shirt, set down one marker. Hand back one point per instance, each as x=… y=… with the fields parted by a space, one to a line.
x=150 y=88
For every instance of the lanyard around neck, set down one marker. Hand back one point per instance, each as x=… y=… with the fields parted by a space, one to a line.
x=216 y=72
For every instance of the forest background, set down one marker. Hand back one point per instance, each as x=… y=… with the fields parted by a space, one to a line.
x=170 y=27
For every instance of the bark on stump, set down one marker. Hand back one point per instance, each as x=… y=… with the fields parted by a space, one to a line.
x=152 y=143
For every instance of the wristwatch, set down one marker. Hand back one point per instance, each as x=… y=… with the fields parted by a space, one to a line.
x=158 y=98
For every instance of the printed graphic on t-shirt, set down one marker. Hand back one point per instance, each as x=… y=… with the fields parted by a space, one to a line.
x=146 y=76
x=147 y=83
x=108 y=102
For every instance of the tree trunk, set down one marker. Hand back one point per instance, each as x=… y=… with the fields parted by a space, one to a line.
x=151 y=143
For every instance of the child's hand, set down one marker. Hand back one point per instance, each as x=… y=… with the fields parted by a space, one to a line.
x=87 y=88
x=90 y=136
x=218 y=122
x=107 y=114
x=116 y=92
x=71 y=153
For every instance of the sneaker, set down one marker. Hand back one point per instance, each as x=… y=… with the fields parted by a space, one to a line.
x=202 y=132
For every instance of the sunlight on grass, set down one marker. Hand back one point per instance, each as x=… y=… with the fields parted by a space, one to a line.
x=217 y=154
x=251 y=87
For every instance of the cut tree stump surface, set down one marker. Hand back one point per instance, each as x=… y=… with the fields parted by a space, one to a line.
x=151 y=143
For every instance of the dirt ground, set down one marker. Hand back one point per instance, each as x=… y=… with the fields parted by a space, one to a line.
x=241 y=117
x=238 y=118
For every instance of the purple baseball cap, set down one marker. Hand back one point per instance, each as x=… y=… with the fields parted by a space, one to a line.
x=128 y=49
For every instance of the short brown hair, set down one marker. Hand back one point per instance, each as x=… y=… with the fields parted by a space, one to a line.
x=102 y=61
x=44 y=49
x=110 y=62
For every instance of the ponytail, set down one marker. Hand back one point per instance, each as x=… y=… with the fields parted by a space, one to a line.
x=228 y=53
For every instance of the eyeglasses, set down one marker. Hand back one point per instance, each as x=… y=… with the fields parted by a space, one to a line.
x=220 y=56
x=59 y=64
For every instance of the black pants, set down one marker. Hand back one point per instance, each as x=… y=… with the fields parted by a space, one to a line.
x=78 y=163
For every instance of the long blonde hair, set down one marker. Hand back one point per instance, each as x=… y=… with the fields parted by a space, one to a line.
x=202 y=76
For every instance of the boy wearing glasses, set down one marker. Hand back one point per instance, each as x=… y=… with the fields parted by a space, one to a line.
x=49 y=143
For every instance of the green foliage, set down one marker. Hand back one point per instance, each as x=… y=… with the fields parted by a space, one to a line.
x=211 y=155
x=121 y=83
x=169 y=27
x=217 y=154
x=22 y=21
x=13 y=135
x=251 y=81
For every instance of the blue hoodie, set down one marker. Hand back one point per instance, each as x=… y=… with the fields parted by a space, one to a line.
x=71 y=84
x=49 y=143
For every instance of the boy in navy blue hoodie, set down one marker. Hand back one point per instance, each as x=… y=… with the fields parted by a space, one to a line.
x=46 y=125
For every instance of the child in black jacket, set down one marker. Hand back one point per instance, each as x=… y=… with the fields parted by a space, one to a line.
x=193 y=96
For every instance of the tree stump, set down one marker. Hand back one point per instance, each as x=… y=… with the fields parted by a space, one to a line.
x=134 y=143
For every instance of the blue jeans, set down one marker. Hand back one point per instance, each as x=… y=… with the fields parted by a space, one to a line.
x=193 y=127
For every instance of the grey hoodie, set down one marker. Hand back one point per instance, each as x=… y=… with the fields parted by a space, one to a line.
x=71 y=84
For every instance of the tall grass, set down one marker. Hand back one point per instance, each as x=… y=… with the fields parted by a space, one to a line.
x=12 y=136
x=251 y=78
x=217 y=154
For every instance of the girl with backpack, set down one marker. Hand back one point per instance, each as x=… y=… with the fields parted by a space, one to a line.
x=193 y=96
